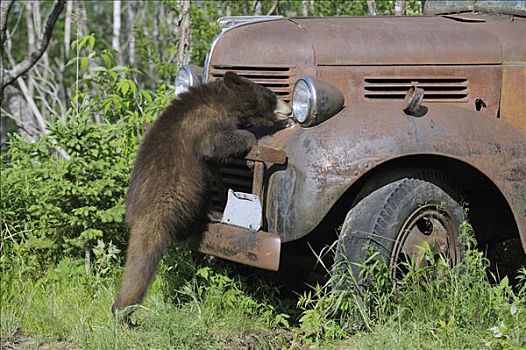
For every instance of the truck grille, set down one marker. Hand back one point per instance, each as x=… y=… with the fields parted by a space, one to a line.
x=235 y=175
x=447 y=89
x=278 y=79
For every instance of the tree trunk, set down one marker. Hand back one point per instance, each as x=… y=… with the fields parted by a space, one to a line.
x=371 y=6
x=20 y=113
x=304 y=8
x=30 y=15
x=44 y=61
x=82 y=19
x=65 y=56
x=257 y=7
x=67 y=29
x=423 y=4
x=39 y=118
x=131 y=33
x=115 y=45
x=399 y=7
x=184 y=33
x=155 y=30
x=228 y=9
x=5 y=8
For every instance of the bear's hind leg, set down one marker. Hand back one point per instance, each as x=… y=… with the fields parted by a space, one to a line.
x=145 y=249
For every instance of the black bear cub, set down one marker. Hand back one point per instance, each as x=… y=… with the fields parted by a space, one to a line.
x=167 y=196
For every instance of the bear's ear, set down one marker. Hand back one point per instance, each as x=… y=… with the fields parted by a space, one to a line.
x=234 y=81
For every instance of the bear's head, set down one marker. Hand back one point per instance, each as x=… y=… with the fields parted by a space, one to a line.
x=253 y=104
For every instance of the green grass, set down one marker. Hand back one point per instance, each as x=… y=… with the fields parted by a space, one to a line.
x=437 y=307
x=66 y=306
x=433 y=307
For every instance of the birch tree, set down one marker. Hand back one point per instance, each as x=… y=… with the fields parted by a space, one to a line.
x=184 y=33
x=304 y=8
x=399 y=9
x=67 y=29
x=66 y=48
x=131 y=32
x=115 y=41
x=30 y=27
x=257 y=8
x=371 y=7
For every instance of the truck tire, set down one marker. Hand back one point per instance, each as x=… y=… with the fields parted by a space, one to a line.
x=395 y=220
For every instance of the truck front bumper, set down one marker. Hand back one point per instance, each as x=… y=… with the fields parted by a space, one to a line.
x=255 y=248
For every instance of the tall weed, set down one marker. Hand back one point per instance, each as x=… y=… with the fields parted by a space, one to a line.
x=436 y=305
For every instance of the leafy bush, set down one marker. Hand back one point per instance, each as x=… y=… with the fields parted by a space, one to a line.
x=57 y=207
x=54 y=207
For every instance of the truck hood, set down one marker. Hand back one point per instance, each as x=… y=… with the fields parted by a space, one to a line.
x=400 y=40
x=358 y=41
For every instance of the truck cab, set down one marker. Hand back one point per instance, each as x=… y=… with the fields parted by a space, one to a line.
x=403 y=129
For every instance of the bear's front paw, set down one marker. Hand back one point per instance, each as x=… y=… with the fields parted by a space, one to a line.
x=248 y=137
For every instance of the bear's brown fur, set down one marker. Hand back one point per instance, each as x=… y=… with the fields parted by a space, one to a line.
x=167 y=195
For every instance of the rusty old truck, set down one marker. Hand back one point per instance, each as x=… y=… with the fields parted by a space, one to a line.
x=402 y=128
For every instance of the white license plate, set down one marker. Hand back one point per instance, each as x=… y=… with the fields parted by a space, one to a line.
x=242 y=209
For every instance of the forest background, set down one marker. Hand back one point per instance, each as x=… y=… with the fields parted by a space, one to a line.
x=79 y=79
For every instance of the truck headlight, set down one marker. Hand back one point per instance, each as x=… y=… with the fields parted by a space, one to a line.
x=302 y=98
x=314 y=101
x=188 y=75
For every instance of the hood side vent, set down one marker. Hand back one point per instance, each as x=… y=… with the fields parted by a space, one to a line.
x=439 y=89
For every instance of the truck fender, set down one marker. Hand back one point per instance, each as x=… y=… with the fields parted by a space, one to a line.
x=324 y=161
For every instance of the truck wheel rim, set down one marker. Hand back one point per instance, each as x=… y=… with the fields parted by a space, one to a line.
x=428 y=225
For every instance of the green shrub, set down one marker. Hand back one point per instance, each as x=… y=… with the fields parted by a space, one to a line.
x=54 y=207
